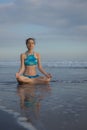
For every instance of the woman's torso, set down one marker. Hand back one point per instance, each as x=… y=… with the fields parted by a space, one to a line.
x=30 y=62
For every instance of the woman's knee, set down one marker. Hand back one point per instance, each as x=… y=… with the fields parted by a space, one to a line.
x=20 y=79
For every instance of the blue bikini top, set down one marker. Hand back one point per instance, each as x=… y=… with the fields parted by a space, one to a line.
x=30 y=60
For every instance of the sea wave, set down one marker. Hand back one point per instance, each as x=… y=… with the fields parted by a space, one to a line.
x=75 y=64
x=70 y=81
x=66 y=64
x=53 y=80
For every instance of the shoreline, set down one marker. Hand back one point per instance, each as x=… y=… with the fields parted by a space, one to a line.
x=7 y=121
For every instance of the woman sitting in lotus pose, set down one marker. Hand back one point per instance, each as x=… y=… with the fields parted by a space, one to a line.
x=29 y=61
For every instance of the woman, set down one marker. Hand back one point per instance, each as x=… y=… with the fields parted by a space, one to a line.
x=29 y=61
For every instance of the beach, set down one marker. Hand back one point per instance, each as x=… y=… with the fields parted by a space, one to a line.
x=60 y=105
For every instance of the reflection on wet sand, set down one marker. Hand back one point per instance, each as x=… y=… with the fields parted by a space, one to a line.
x=31 y=97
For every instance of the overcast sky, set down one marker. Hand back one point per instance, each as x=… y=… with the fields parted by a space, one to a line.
x=59 y=27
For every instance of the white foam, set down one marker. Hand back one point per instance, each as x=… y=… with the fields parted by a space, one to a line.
x=9 y=111
x=26 y=125
x=16 y=114
x=20 y=120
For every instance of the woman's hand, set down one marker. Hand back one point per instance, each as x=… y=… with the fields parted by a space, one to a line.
x=49 y=75
x=17 y=75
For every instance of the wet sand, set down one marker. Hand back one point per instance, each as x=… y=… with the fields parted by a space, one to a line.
x=60 y=106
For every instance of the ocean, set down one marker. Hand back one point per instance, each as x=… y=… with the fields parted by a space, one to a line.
x=61 y=105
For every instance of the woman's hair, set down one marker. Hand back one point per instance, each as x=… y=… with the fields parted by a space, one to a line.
x=27 y=40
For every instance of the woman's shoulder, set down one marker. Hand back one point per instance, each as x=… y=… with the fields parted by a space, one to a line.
x=37 y=54
x=23 y=55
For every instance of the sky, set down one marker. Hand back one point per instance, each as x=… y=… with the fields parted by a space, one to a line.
x=58 y=26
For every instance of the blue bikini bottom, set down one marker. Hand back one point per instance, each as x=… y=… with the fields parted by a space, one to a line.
x=35 y=76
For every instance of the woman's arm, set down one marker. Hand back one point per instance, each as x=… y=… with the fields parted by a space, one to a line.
x=41 y=68
x=22 y=66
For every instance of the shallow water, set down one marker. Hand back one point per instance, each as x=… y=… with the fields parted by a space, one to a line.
x=61 y=105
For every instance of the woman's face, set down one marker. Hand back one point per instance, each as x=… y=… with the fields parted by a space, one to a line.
x=30 y=44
